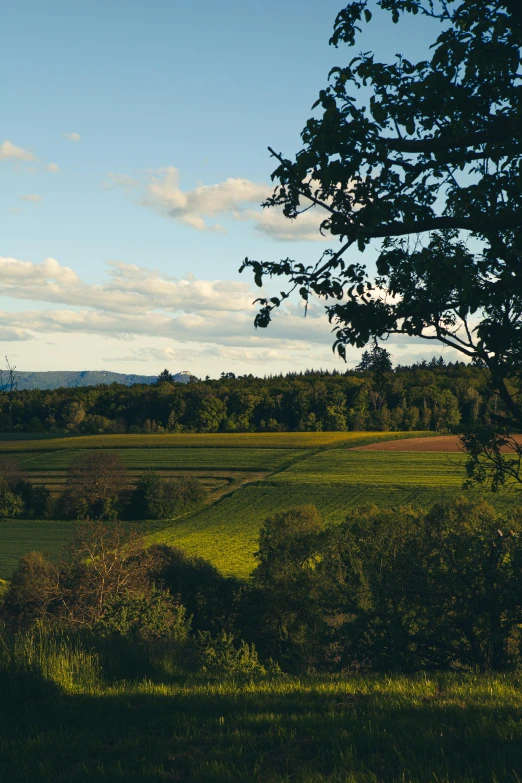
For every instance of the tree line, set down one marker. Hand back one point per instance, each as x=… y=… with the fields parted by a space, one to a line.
x=390 y=589
x=424 y=396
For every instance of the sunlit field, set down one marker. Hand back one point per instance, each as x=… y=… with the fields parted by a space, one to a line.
x=249 y=476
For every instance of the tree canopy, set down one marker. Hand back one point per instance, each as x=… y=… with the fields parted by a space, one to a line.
x=427 y=157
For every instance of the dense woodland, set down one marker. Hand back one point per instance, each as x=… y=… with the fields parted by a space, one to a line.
x=425 y=396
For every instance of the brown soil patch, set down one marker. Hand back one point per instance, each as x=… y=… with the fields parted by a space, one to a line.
x=447 y=443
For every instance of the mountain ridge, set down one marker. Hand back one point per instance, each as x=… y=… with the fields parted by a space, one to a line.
x=55 y=379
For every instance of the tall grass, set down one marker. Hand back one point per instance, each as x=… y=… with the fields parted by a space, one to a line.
x=63 y=718
x=35 y=661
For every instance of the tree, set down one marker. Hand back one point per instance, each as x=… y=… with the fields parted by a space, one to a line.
x=94 y=482
x=427 y=159
x=287 y=558
x=165 y=377
x=156 y=497
x=9 y=378
x=377 y=360
x=104 y=580
x=11 y=504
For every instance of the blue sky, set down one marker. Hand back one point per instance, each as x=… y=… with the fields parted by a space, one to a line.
x=133 y=155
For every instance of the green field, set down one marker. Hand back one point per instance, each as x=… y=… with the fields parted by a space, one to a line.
x=25 y=535
x=335 y=480
x=378 y=468
x=242 y=440
x=250 y=477
x=176 y=458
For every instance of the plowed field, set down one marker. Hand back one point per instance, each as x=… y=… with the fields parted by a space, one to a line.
x=448 y=443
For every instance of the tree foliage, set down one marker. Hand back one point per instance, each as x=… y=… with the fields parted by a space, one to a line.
x=427 y=157
x=94 y=481
x=155 y=497
x=427 y=395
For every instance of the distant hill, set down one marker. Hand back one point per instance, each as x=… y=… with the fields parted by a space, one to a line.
x=64 y=378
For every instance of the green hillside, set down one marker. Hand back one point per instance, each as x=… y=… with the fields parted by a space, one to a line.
x=250 y=476
x=335 y=481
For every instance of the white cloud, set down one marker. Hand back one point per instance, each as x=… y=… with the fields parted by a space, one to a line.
x=137 y=302
x=144 y=317
x=121 y=180
x=11 y=334
x=9 y=151
x=73 y=136
x=195 y=207
x=203 y=207
x=141 y=315
x=275 y=225
x=53 y=168
x=30 y=197
x=129 y=289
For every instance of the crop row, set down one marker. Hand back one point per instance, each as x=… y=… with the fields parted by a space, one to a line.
x=378 y=468
x=243 y=440
x=176 y=459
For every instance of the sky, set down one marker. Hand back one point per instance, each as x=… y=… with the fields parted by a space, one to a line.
x=133 y=162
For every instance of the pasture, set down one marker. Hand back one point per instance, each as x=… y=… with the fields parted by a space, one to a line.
x=250 y=476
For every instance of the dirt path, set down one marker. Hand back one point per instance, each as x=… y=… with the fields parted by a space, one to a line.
x=447 y=443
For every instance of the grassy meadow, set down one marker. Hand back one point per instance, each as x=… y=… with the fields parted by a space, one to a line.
x=64 y=720
x=249 y=476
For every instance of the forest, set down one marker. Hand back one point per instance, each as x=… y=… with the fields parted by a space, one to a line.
x=431 y=395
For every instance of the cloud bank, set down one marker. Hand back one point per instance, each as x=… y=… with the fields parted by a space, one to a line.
x=135 y=301
x=146 y=316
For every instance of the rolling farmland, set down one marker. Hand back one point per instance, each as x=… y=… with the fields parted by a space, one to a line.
x=250 y=476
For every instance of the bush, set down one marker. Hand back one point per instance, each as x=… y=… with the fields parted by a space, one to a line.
x=214 y=601
x=154 y=616
x=36 y=499
x=284 y=607
x=157 y=498
x=11 y=505
x=220 y=655
x=392 y=589
x=94 y=483
x=104 y=563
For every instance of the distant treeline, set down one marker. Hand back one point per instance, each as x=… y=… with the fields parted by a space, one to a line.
x=425 y=396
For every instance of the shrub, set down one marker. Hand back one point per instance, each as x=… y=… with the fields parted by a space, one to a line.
x=157 y=498
x=220 y=655
x=94 y=482
x=36 y=498
x=11 y=505
x=144 y=617
x=214 y=601
x=391 y=589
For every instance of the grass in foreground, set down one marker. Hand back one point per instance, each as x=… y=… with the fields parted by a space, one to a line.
x=419 y=729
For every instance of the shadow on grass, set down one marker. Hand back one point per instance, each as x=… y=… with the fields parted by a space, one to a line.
x=278 y=732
